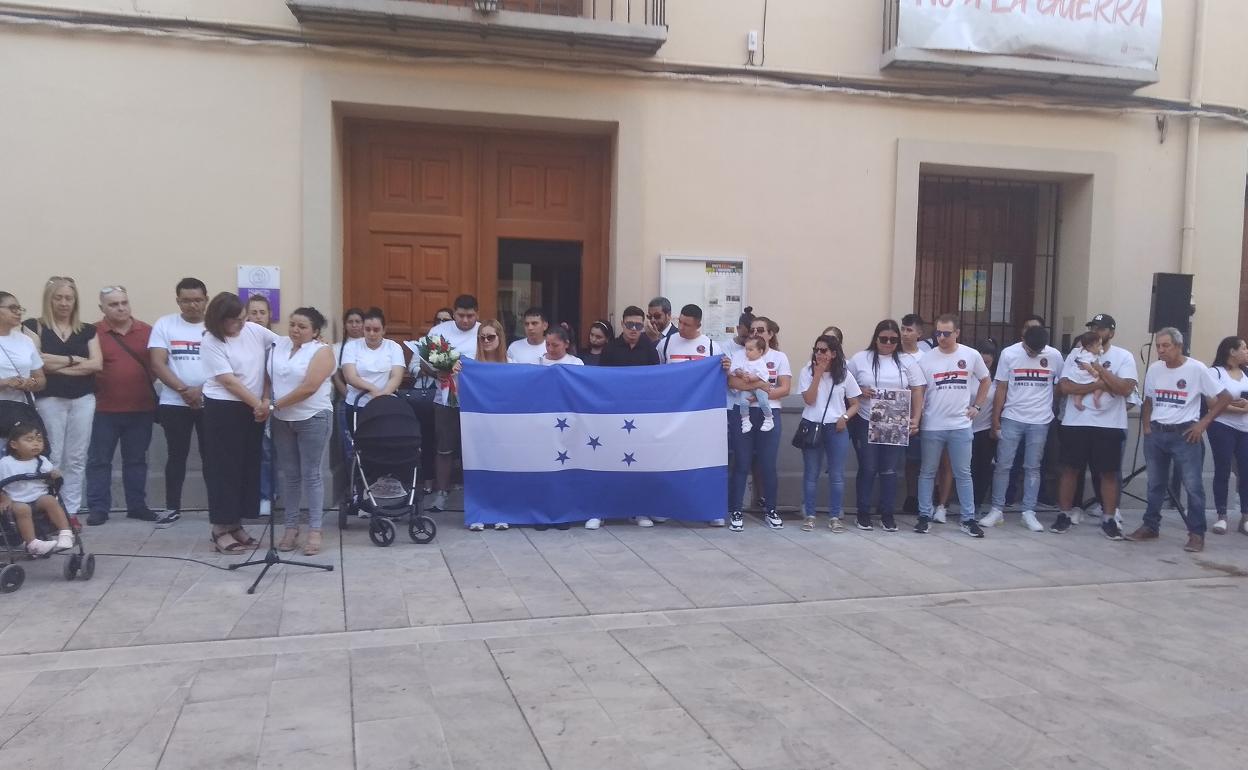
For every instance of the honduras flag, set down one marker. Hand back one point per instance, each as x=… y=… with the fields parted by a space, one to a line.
x=554 y=444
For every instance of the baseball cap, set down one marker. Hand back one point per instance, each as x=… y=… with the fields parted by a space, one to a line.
x=1104 y=320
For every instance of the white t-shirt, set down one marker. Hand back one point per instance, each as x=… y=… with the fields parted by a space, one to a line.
x=758 y=368
x=523 y=352
x=1029 y=397
x=373 y=365
x=1176 y=392
x=1237 y=389
x=463 y=341
x=846 y=388
x=25 y=491
x=288 y=373
x=891 y=375
x=182 y=339
x=730 y=348
x=242 y=356
x=17 y=349
x=1113 y=411
x=1078 y=375
x=775 y=363
x=983 y=420
x=567 y=360
x=950 y=378
x=675 y=349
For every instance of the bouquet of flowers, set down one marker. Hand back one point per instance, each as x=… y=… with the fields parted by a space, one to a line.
x=438 y=353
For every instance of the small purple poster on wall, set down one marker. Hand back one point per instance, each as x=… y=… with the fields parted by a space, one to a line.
x=264 y=281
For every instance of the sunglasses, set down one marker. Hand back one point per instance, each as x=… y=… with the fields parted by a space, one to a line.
x=111 y=289
x=941 y=333
x=64 y=278
x=489 y=337
x=634 y=326
x=887 y=340
x=759 y=330
x=823 y=350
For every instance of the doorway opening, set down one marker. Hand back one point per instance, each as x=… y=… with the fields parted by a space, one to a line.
x=541 y=273
x=987 y=251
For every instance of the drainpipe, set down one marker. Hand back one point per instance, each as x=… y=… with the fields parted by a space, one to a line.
x=1187 y=257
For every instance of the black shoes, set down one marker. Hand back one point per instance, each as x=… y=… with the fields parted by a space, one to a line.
x=1111 y=530
x=96 y=518
x=924 y=526
x=887 y=522
x=864 y=522
x=1061 y=524
x=972 y=528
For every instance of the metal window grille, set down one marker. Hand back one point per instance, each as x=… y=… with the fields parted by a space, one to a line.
x=987 y=252
x=647 y=12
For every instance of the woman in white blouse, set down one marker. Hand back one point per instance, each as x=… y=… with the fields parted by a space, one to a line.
x=372 y=366
x=236 y=407
x=300 y=368
x=830 y=397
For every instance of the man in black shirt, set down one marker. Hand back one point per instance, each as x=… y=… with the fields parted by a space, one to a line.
x=631 y=348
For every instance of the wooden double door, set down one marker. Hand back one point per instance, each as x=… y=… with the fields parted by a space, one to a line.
x=427 y=207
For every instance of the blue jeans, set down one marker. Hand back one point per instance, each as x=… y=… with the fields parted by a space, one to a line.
x=958 y=444
x=875 y=461
x=1160 y=449
x=301 y=446
x=1230 y=447
x=761 y=395
x=756 y=445
x=835 y=447
x=133 y=430
x=1033 y=438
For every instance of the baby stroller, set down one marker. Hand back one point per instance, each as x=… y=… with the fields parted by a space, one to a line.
x=78 y=563
x=384 y=447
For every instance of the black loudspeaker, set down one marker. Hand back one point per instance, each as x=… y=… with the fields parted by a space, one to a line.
x=1172 y=303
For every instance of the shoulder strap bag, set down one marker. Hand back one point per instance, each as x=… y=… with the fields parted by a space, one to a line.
x=809 y=434
x=142 y=363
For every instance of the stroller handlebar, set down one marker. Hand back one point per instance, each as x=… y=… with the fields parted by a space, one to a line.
x=54 y=484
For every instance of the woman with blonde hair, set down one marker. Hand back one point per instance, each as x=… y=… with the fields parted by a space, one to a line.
x=491 y=343
x=71 y=357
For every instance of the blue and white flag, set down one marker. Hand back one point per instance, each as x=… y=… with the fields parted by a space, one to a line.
x=553 y=444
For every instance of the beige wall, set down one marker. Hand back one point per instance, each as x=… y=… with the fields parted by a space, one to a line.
x=143 y=160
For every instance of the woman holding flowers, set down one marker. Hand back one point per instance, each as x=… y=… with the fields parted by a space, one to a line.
x=372 y=365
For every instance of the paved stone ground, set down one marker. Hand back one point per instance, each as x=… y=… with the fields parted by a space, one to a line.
x=673 y=647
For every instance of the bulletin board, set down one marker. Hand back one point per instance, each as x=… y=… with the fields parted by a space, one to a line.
x=715 y=284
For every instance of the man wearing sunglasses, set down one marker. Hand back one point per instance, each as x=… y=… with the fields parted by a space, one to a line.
x=949 y=370
x=632 y=347
x=659 y=324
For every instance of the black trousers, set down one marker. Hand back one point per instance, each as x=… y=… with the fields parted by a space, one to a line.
x=178 y=422
x=983 y=453
x=231 y=460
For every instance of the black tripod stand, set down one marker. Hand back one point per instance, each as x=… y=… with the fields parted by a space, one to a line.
x=272 y=556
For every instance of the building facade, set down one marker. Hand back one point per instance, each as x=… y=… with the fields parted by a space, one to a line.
x=400 y=152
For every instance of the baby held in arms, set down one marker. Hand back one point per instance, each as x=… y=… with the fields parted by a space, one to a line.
x=1089 y=350
x=754 y=370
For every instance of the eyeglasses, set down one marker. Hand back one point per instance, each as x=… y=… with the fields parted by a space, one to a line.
x=489 y=337
x=14 y=308
x=759 y=330
x=944 y=332
x=887 y=340
x=634 y=326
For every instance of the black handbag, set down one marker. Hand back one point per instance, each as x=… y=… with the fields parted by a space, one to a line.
x=809 y=434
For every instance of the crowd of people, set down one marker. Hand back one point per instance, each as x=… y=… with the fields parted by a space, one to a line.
x=974 y=419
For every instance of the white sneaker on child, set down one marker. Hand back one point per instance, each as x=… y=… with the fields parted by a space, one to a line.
x=40 y=547
x=745 y=425
x=64 y=540
x=767 y=425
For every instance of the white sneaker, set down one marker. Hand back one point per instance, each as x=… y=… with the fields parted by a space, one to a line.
x=994 y=518
x=767 y=425
x=500 y=526
x=1076 y=514
x=1095 y=509
x=1219 y=527
x=437 y=502
x=40 y=547
x=717 y=522
x=643 y=521
x=64 y=540
x=1118 y=517
x=476 y=526
x=745 y=426
x=940 y=515
x=266 y=507
x=1031 y=522
x=593 y=524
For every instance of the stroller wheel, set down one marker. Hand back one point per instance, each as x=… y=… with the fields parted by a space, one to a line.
x=421 y=529
x=11 y=578
x=344 y=514
x=70 y=570
x=88 y=567
x=381 y=531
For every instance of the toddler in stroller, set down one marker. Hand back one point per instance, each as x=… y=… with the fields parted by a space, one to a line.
x=24 y=496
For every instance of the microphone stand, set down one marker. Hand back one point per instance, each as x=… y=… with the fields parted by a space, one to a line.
x=272 y=556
